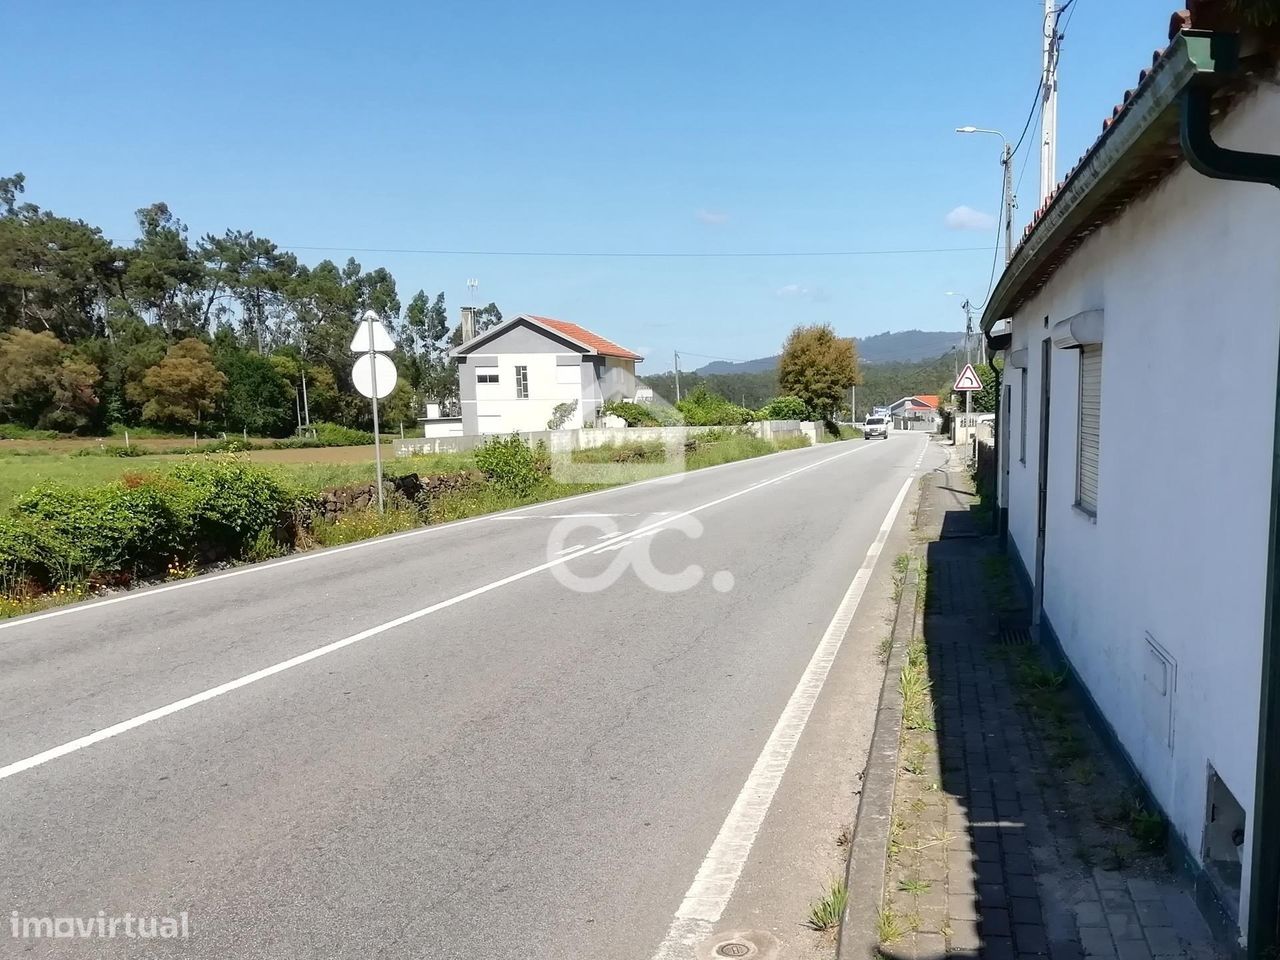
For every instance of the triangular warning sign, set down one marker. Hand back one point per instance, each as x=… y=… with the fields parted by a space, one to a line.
x=371 y=328
x=968 y=380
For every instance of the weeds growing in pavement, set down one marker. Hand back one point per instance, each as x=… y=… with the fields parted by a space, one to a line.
x=886 y=648
x=897 y=831
x=889 y=926
x=845 y=837
x=917 y=703
x=1147 y=827
x=914 y=885
x=826 y=913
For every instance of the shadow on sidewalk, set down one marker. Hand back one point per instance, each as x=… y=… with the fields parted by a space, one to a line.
x=1015 y=833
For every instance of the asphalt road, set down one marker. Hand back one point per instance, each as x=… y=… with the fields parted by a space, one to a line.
x=516 y=736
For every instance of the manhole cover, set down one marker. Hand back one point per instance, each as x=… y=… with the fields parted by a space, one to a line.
x=733 y=948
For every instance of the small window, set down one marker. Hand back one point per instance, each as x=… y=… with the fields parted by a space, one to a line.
x=486 y=376
x=522 y=383
x=1089 y=427
x=1022 y=427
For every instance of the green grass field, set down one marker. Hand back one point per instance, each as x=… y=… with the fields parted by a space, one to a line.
x=313 y=469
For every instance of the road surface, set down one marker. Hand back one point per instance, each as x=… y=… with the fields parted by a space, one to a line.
x=557 y=732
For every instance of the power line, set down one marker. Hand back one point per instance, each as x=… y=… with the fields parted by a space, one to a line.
x=995 y=254
x=642 y=254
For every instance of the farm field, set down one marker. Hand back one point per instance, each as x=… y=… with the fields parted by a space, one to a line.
x=313 y=468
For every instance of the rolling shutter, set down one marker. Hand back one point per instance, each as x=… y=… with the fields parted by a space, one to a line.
x=1089 y=426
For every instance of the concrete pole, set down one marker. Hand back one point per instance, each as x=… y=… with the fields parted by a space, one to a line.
x=1049 y=99
x=1009 y=201
x=677 y=361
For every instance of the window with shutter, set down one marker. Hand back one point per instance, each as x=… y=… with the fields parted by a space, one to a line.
x=1090 y=416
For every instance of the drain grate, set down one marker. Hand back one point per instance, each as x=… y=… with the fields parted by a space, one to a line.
x=1014 y=635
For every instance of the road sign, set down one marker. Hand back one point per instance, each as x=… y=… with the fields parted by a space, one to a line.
x=364 y=369
x=371 y=327
x=966 y=382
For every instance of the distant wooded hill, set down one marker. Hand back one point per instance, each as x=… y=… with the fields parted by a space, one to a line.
x=905 y=346
x=882 y=383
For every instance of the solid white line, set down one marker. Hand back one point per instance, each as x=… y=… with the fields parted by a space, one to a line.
x=512 y=513
x=151 y=716
x=709 y=894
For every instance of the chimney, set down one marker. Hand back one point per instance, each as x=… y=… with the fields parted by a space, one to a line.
x=468 y=323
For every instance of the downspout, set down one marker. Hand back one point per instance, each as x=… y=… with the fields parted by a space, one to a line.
x=1000 y=516
x=1212 y=160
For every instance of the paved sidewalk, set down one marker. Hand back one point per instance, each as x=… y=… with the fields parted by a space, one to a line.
x=1014 y=833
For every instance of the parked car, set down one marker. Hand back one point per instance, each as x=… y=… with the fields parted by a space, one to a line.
x=876 y=427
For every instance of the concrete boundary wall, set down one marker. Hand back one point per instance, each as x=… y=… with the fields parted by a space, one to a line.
x=584 y=439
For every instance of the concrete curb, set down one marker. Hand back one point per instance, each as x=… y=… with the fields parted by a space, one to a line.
x=869 y=851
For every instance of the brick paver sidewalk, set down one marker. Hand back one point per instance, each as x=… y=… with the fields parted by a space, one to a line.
x=1014 y=831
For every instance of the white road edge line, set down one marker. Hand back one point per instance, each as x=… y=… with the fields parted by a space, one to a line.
x=716 y=879
x=510 y=514
x=185 y=703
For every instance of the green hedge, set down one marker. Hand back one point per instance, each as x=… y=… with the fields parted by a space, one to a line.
x=211 y=509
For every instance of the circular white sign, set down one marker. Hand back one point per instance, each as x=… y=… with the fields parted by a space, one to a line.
x=362 y=374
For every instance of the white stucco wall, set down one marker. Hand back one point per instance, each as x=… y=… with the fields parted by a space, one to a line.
x=499 y=411
x=1189 y=283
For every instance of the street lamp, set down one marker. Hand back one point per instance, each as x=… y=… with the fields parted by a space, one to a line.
x=1006 y=161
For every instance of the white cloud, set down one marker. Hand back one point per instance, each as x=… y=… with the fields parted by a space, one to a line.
x=799 y=291
x=713 y=217
x=967 y=218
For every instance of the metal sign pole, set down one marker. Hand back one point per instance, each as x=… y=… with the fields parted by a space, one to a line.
x=377 y=443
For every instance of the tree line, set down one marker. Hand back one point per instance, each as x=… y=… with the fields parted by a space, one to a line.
x=223 y=332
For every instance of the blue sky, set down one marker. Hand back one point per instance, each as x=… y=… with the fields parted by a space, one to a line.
x=566 y=126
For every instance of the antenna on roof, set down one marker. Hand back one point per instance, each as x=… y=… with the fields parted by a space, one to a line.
x=471 y=290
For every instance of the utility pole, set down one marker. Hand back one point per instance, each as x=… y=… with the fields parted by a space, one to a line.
x=1049 y=101
x=677 y=356
x=967 y=307
x=1009 y=201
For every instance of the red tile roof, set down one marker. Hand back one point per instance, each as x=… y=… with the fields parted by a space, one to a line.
x=930 y=399
x=585 y=337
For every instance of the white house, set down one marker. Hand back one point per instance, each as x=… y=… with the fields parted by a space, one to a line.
x=514 y=376
x=1148 y=532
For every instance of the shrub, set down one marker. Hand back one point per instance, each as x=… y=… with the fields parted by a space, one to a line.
x=635 y=414
x=784 y=408
x=230 y=501
x=702 y=408
x=512 y=464
x=83 y=531
x=561 y=413
x=110 y=450
x=336 y=435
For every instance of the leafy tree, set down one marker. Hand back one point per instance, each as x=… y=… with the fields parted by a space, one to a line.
x=130 y=347
x=987 y=400
x=44 y=383
x=819 y=368
x=55 y=274
x=258 y=398
x=164 y=275
x=181 y=389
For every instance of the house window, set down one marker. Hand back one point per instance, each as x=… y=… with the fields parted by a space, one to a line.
x=486 y=376
x=522 y=383
x=1089 y=427
x=1022 y=428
